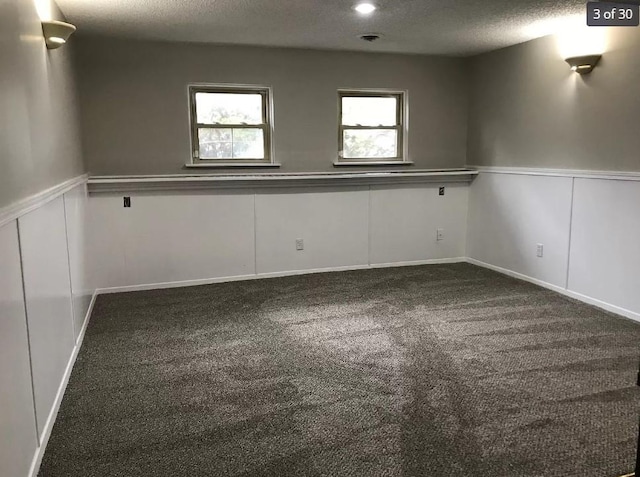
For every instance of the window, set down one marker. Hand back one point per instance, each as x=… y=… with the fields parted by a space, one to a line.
x=371 y=126
x=230 y=125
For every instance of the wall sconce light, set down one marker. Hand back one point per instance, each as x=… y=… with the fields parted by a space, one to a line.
x=56 y=33
x=583 y=64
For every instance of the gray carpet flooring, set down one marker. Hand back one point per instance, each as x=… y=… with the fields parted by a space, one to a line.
x=443 y=370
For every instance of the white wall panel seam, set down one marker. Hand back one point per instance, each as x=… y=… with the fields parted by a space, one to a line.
x=26 y=317
x=369 y=232
x=66 y=235
x=573 y=188
x=255 y=234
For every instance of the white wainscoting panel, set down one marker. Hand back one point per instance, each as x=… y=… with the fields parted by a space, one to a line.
x=105 y=231
x=75 y=206
x=510 y=214
x=404 y=220
x=333 y=222
x=605 y=241
x=18 y=440
x=172 y=237
x=168 y=238
x=47 y=290
x=188 y=236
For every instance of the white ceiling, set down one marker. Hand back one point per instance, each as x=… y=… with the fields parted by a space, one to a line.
x=445 y=27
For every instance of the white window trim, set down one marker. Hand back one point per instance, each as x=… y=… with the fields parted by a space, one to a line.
x=194 y=145
x=404 y=128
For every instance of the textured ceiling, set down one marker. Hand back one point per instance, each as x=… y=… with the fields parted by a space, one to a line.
x=445 y=27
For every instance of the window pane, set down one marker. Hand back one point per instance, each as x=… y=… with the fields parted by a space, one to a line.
x=370 y=143
x=363 y=111
x=231 y=143
x=215 y=143
x=229 y=108
x=248 y=144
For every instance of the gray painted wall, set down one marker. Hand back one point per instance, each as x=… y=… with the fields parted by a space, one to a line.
x=528 y=109
x=39 y=137
x=134 y=103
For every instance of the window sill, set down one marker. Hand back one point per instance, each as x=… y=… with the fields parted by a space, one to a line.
x=221 y=165
x=372 y=163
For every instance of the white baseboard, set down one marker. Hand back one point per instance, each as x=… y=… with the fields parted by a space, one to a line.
x=176 y=284
x=48 y=427
x=207 y=281
x=432 y=261
x=603 y=305
x=571 y=294
x=287 y=273
x=517 y=275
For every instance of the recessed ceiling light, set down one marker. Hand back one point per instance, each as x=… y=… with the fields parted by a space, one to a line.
x=365 y=8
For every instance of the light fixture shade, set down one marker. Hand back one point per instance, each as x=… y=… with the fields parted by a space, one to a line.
x=56 y=33
x=583 y=64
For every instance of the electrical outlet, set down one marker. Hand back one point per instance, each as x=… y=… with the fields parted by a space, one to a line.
x=299 y=244
x=439 y=234
x=441 y=191
x=127 y=201
x=539 y=250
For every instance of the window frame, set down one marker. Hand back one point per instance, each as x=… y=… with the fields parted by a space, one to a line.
x=401 y=125
x=266 y=126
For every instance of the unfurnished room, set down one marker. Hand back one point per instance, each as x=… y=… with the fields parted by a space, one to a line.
x=319 y=238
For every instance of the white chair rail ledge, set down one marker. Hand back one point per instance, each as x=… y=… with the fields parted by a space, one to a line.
x=292 y=179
